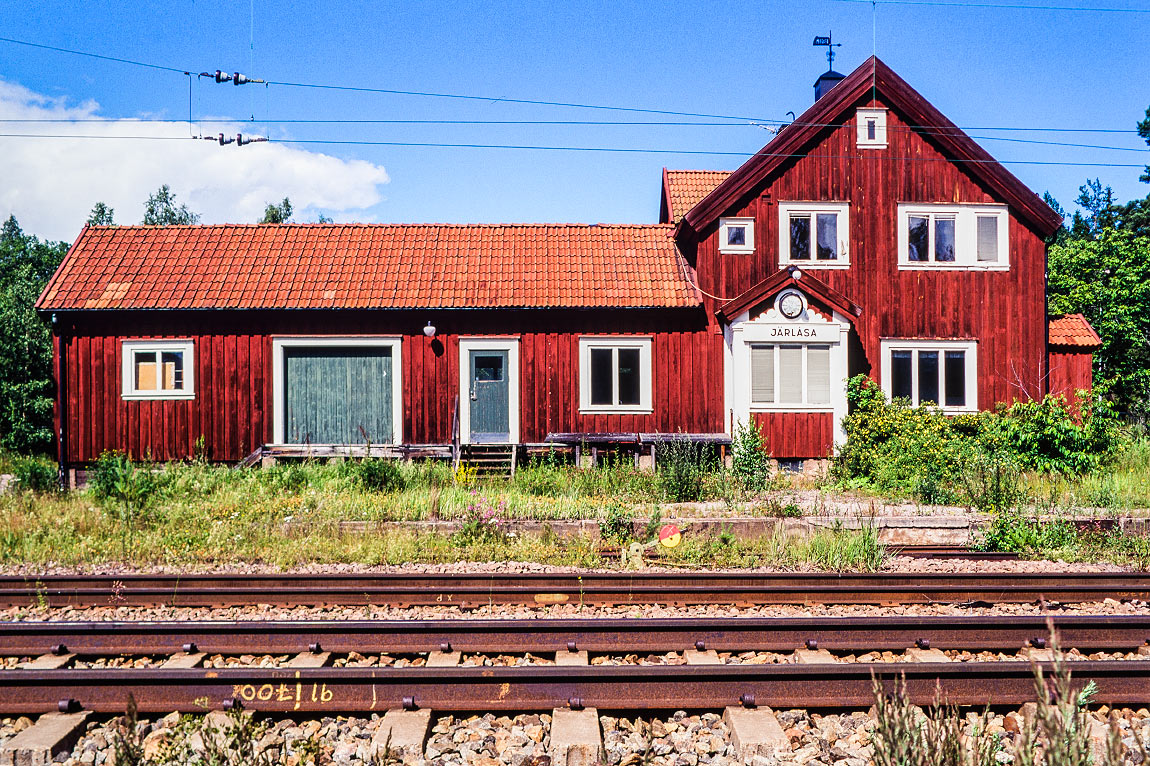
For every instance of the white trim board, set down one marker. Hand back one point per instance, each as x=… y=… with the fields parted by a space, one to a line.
x=511 y=346
x=186 y=346
x=646 y=384
x=887 y=345
x=394 y=341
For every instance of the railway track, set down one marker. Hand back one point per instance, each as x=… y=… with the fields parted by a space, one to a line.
x=775 y=634
x=546 y=687
x=811 y=679
x=469 y=591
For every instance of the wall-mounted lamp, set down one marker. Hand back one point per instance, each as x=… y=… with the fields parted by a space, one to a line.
x=429 y=331
x=797 y=273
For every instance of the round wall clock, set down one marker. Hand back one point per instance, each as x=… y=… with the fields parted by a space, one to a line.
x=791 y=305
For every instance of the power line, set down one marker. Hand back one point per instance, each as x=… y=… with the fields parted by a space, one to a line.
x=606 y=149
x=94 y=55
x=561 y=123
x=1001 y=5
x=562 y=104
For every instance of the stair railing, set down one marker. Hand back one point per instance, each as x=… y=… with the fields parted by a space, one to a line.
x=455 y=447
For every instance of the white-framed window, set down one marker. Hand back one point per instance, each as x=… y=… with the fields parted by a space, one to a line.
x=953 y=236
x=790 y=376
x=158 y=369
x=814 y=234
x=736 y=235
x=614 y=375
x=944 y=372
x=871 y=128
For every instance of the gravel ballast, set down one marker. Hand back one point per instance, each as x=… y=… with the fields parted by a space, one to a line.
x=679 y=739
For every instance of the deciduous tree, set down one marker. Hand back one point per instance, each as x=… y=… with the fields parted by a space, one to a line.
x=280 y=213
x=26 y=390
x=101 y=215
x=161 y=210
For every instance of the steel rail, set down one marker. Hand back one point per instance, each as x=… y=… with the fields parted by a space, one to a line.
x=478 y=590
x=783 y=634
x=542 y=688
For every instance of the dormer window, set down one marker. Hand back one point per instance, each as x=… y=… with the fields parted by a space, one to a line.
x=737 y=235
x=871 y=128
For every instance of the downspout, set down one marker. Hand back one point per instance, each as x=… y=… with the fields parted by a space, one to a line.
x=61 y=397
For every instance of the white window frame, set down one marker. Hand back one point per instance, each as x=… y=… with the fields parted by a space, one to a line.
x=646 y=383
x=864 y=141
x=748 y=246
x=965 y=235
x=279 y=404
x=841 y=209
x=804 y=405
x=128 y=351
x=888 y=345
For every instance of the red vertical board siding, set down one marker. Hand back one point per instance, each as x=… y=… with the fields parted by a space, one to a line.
x=1070 y=371
x=791 y=435
x=1005 y=311
x=233 y=407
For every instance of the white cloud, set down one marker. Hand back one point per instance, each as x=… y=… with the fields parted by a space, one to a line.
x=50 y=184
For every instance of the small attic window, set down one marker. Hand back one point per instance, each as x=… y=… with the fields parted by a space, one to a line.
x=737 y=235
x=871 y=128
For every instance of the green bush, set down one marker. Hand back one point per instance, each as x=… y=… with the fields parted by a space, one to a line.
x=682 y=465
x=1011 y=532
x=376 y=474
x=750 y=462
x=116 y=477
x=970 y=458
x=37 y=474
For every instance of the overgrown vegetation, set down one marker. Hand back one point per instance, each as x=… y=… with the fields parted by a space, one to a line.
x=974 y=459
x=1058 y=733
x=1055 y=538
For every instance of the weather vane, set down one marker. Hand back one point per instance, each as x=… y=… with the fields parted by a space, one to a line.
x=820 y=40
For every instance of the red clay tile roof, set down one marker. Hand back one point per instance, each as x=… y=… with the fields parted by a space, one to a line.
x=340 y=266
x=1073 y=330
x=683 y=189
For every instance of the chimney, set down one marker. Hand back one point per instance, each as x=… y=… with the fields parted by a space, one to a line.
x=826 y=81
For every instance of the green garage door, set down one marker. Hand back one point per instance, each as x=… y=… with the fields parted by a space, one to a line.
x=338 y=395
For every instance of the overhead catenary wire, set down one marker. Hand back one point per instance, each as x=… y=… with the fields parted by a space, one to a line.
x=563 y=123
x=561 y=104
x=1012 y=6
x=607 y=149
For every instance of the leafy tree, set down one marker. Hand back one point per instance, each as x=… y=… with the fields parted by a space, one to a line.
x=1107 y=278
x=26 y=393
x=101 y=215
x=280 y=213
x=1144 y=132
x=161 y=210
x=323 y=219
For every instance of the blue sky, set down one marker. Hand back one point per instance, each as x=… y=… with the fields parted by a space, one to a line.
x=983 y=67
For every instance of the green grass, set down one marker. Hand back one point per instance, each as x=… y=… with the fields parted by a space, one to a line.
x=1057 y=540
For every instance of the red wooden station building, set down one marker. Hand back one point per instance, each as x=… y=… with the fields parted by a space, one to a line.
x=869 y=236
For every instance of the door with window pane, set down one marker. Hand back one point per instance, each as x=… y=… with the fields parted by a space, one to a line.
x=490 y=393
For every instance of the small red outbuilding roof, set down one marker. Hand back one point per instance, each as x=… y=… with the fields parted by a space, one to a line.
x=362 y=266
x=1075 y=331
